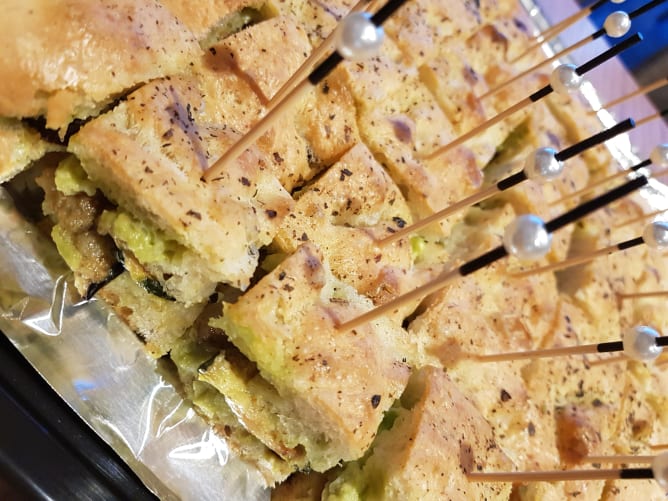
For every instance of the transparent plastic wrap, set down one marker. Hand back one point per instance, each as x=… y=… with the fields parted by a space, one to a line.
x=100 y=368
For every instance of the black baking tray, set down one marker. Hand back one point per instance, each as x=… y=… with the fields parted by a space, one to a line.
x=46 y=450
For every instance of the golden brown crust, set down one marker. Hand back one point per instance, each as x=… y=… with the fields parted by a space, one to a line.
x=68 y=58
x=159 y=322
x=403 y=112
x=436 y=438
x=351 y=205
x=149 y=159
x=204 y=17
x=254 y=52
x=339 y=382
x=20 y=146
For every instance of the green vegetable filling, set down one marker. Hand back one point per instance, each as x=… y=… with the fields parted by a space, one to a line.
x=148 y=244
x=71 y=179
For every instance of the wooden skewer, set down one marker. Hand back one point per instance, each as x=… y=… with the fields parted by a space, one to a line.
x=550 y=352
x=644 y=217
x=493 y=255
x=557 y=28
x=625 y=459
x=658 y=470
x=659 y=447
x=574 y=261
x=593 y=186
x=649 y=118
x=492 y=121
x=561 y=26
x=537 y=96
x=660 y=161
x=653 y=228
x=442 y=214
x=258 y=130
x=535 y=67
x=560 y=476
x=424 y=290
x=637 y=295
x=510 y=181
x=642 y=90
x=608 y=347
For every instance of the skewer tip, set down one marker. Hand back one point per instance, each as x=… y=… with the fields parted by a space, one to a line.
x=660 y=469
x=527 y=238
x=655 y=235
x=565 y=79
x=659 y=155
x=640 y=343
x=358 y=38
x=542 y=165
x=617 y=24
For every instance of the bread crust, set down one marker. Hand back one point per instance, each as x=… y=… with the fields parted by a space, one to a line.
x=68 y=59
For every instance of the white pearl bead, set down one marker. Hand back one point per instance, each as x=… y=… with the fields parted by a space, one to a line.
x=357 y=38
x=542 y=165
x=640 y=343
x=618 y=1
x=527 y=238
x=659 y=155
x=660 y=469
x=656 y=235
x=617 y=24
x=564 y=80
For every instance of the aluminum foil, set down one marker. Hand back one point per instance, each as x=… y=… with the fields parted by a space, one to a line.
x=99 y=367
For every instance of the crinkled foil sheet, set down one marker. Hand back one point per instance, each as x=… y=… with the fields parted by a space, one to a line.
x=99 y=367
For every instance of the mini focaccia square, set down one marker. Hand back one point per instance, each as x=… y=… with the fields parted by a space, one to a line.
x=213 y=20
x=345 y=212
x=254 y=62
x=318 y=19
x=402 y=130
x=19 y=148
x=420 y=27
x=68 y=59
x=148 y=156
x=328 y=121
x=338 y=383
x=254 y=52
x=434 y=437
x=191 y=354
